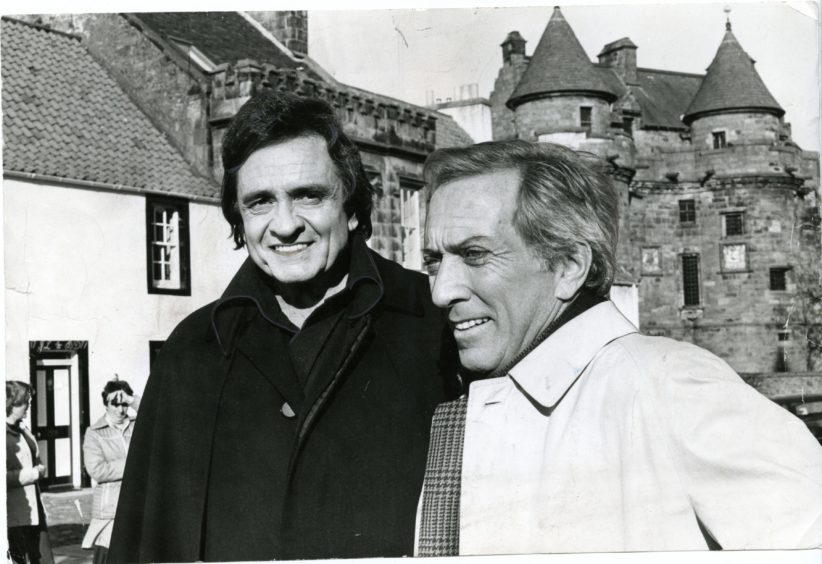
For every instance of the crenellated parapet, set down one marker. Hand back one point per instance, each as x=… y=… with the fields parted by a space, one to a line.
x=370 y=119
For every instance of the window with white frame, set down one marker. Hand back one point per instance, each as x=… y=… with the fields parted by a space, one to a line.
x=733 y=223
x=167 y=246
x=410 y=221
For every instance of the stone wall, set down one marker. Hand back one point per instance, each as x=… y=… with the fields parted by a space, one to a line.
x=776 y=385
x=741 y=128
x=560 y=113
x=739 y=317
x=290 y=27
x=502 y=118
x=387 y=238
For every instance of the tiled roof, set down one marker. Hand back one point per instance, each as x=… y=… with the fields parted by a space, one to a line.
x=223 y=37
x=731 y=83
x=450 y=133
x=663 y=96
x=559 y=64
x=64 y=116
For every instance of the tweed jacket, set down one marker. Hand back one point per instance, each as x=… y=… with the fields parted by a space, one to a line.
x=603 y=439
x=104 y=455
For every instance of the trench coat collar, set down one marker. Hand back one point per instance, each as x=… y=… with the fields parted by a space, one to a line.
x=546 y=374
x=372 y=280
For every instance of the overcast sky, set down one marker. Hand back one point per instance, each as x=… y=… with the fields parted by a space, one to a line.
x=405 y=53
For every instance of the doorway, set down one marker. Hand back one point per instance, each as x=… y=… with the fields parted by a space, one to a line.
x=59 y=413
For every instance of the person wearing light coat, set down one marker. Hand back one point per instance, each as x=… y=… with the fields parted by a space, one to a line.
x=578 y=433
x=104 y=452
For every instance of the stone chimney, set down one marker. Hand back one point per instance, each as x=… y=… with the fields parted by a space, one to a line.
x=620 y=55
x=290 y=27
x=513 y=47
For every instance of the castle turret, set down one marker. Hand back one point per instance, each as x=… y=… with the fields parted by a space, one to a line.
x=733 y=106
x=561 y=90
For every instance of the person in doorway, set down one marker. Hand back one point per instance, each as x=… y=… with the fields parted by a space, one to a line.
x=578 y=433
x=290 y=418
x=26 y=520
x=104 y=454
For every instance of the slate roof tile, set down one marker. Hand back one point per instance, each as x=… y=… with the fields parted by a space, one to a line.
x=65 y=116
x=731 y=83
x=223 y=37
x=664 y=96
x=559 y=64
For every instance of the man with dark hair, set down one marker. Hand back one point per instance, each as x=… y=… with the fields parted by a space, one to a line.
x=290 y=418
x=578 y=434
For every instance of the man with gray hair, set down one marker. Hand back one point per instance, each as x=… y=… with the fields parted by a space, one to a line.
x=578 y=433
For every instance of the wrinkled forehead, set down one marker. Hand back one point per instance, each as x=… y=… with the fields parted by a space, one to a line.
x=471 y=198
x=474 y=206
x=291 y=162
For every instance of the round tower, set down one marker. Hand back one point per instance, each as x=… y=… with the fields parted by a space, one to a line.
x=733 y=107
x=564 y=98
x=561 y=96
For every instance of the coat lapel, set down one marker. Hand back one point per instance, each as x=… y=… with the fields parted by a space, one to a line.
x=270 y=357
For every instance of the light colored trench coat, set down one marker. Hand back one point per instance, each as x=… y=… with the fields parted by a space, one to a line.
x=603 y=439
x=104 y=454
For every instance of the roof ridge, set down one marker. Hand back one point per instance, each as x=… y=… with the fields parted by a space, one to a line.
x=671 y=72
x=42 y=27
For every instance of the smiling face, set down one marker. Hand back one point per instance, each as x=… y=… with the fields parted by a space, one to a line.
x=499 y=295
x=291 y=204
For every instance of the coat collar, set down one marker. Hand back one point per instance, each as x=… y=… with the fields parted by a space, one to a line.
x=551 y=369
x=102 y=423
x=371 y=280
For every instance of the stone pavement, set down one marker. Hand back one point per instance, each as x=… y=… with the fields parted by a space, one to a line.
x=71 y=554
x=67 y=514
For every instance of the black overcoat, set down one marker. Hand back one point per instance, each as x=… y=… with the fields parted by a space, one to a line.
x=232 y=460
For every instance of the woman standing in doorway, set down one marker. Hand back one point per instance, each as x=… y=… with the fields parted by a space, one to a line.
x=27 y=531
x=104 y=449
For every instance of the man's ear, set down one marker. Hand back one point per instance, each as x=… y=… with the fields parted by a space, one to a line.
x=353 y=222
x=572 y=274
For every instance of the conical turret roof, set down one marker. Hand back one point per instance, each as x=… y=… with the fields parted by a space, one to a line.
x=559 y=64
x=731 y=83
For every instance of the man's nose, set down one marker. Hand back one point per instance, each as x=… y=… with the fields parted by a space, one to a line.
x=449 y=285
x=285 y=222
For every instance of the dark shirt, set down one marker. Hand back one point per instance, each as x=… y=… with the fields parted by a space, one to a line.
x=322 y=327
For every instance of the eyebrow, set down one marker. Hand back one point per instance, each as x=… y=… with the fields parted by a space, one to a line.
x=318 y=189
x=456 y=247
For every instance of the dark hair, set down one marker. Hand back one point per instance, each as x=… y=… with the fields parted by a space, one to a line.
x=115 y=386
x=17 y=394
x=271 y=117
x=565 y=199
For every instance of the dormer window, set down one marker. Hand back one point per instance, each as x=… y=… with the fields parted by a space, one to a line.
x=719 y=139
x=585 y=117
